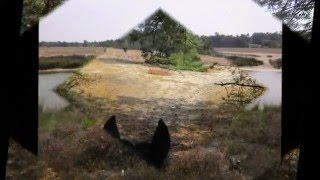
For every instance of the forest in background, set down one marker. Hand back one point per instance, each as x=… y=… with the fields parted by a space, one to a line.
x=258 y=39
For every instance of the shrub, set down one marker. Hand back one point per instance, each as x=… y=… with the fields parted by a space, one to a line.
x=244 y=61
x=186 y=61
x=65 y=62
x=48 y=121
x=87 y=123
x=277 y=63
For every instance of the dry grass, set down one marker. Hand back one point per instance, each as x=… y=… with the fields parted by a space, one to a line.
x=69 y=151
x=130 y=55
x=253 y=137
x=22 y=164
x=135 y=81
x=208 y=60
x=69 y=51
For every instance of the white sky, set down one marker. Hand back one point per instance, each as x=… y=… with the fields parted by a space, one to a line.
x=99 y=20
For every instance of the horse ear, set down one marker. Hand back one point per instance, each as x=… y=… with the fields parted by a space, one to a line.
x=111 y=127
x=160 y=144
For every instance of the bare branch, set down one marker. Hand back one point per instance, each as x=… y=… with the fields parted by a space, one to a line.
x=239 y=84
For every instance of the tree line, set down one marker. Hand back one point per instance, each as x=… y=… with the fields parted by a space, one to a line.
x=270 y=40
x=258 y=39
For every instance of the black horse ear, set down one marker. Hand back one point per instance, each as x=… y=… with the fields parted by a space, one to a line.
x=160 y=144
x=111 y=127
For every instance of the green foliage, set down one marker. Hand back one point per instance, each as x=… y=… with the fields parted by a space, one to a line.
x=160 y=36
x=242 y=90
x=48 y=121
x=185 y=61
x=296 y=14
x=270 y=40
x=74 y=80
x=35 y=9
x=180 y=59
x=168 y=43
x=193 y=42
x=87 y=123
x=244 y=61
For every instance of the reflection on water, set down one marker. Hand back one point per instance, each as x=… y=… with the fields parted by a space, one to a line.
x=273 y=82
x=47 y=97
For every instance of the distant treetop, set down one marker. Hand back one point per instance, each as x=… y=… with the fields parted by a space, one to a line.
x=296 y=14
x=34 y=9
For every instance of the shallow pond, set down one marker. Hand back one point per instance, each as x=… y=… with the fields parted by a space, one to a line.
x=52 y=101
x=272 y=80
x=48 y=98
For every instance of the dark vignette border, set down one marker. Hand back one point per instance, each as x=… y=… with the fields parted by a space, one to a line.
x=20 y=105
x=19 y=88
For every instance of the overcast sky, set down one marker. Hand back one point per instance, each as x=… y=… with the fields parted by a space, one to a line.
x=99 y=20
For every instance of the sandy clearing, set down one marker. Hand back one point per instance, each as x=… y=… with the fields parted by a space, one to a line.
x=133 y=80
x=140 y=99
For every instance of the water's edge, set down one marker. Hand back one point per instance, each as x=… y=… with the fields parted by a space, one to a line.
x=48 y=98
